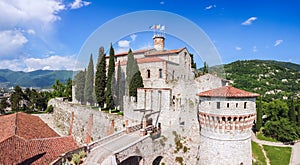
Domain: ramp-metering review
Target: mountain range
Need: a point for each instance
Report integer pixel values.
(38, 78)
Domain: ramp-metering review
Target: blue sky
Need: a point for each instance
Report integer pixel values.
(49, 34)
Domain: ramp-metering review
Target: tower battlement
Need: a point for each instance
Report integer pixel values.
(226, 116)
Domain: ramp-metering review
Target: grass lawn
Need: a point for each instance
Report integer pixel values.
(261, 136)
(278, 155)
(257, 154)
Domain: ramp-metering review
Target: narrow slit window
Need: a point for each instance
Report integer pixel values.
(227, 105)
(160, 73)
(245, 105)
(148, 73)
(218, 105)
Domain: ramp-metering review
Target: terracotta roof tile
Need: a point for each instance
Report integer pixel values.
(227, 91)
(33, 141)
(24, 125)
(164, 52)
(148, 52)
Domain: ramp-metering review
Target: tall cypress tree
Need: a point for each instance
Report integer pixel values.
(119, 87)
(80, 84)
(111, 69)
(100, 81)
(258, 123)
(297, 108)
(89, 82)
(292, 115)
(131, 69)
(136, 82)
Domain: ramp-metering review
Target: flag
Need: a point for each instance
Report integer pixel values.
(158, 26)
(163, 28)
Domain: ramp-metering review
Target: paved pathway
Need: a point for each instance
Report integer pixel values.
(97, 155)
(295, 156)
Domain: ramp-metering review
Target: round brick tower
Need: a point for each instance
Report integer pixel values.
(226, 116)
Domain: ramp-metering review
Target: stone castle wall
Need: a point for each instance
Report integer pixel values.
(220, 152)
(101, 125)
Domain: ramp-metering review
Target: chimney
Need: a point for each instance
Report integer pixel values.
(71, 123)
(159, 42)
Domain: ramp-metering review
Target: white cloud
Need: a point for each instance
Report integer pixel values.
(124, 43)
(11, 41)
(254, 49)
(249, 21)
(15, 64)
(25, 12)
(238, 48)
(54, 62)
(50, 63)
(162, 2)
(278, 42)
(210, 7)
(79, 3)
(31, 31)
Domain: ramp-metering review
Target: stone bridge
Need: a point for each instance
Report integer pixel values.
(134, 145)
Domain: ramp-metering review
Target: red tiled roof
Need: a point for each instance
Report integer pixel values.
(227, 91)
(16, 150)
(126, 53)
(25, 126)
(150, 52)
(25, 137)
(165, 52)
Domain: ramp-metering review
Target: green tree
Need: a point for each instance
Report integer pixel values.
(205, 68)
(68, 89)
(282, 130)
(15, 98)
(131, 69)
(292, 115)
(119, 87)
(194, 65)
(297, 108)
(136, 82)
(258, 123)
(111, 69)
(100, 80)
(79, 81)
(276, 109)
(89, 82)
(58, 89)
(3, 105)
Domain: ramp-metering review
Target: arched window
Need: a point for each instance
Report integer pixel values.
(148, 73)
(160, 73)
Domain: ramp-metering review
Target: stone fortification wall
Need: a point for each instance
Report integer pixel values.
(217, 152)
(102, 124)
(150, 103)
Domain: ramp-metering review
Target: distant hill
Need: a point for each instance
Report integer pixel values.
(38, 78)
(272, 78)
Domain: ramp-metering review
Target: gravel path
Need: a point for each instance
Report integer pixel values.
(295, 155)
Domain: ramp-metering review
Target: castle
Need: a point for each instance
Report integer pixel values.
(173, 97)
(225, 114)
